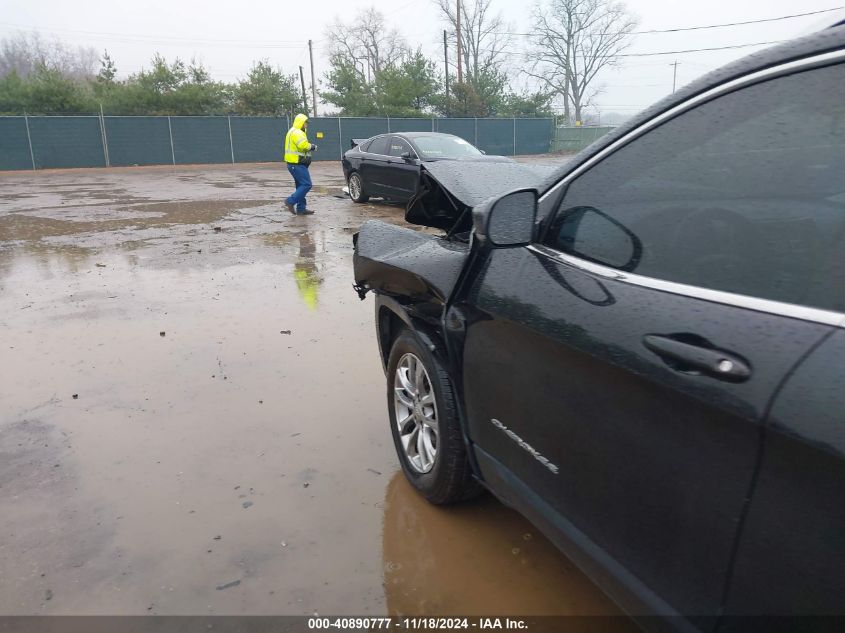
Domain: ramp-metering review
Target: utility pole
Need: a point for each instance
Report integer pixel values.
(674, 74)
(304, 98)
(458, 33)
(313, 83)
(446, 65)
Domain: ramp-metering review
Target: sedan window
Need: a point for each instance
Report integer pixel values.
(445, 146)
(379, 145)
(742, 194)
(399, 146)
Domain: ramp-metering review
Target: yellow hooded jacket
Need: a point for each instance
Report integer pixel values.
(296, 142)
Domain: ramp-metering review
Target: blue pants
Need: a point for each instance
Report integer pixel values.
(302, 179)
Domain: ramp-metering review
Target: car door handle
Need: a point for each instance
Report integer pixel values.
(698, 357)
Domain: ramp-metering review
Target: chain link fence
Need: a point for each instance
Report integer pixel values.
(46, 142)
(574, 139)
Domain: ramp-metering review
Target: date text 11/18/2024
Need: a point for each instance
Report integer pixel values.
(417, 624)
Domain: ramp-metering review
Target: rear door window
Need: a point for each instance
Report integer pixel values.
(379, 145)
(744, 194)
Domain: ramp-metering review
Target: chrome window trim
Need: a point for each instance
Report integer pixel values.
(791, 310)
(692, 102)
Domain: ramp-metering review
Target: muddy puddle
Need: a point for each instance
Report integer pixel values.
(193, 418)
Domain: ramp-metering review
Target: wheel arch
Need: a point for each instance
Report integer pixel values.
(392, 318)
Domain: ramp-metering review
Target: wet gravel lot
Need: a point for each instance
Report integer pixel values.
(193, 417)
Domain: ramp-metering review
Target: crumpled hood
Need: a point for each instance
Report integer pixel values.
(473, 182)
(458, 185)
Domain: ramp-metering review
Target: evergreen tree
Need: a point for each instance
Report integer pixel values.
(536, 104)
(409, 88)
(348, 88)
(107, 69)
(267, 91)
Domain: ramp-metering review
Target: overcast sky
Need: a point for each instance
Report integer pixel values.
(228, 36)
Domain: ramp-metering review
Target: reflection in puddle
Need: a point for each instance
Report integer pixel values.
(475, 558)
(305, 272)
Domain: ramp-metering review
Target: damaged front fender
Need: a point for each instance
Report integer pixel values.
(417, 267)
(401, 262)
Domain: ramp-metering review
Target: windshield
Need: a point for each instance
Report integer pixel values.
(445, 147)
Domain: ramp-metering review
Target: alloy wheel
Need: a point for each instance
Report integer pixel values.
(416, 413)
(355, 186)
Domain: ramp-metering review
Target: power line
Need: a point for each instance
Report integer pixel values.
(708, 26)
(401, 8)
(718, 26)
(699, 50)
(531, 55)
(663, 85)
(129, 37)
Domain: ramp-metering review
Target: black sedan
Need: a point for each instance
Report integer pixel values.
(644, 352)
(391, 165)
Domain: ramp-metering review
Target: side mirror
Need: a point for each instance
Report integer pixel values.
(508, 220)
(408, 157)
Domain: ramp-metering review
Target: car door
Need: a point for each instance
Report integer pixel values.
(404, 173)
(790, 557)
(374, 166)
(616, 374)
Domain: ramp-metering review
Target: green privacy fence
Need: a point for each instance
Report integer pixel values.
(45, 142)
(574, 139)
(138, 140)
(51, 136)
(14, 144)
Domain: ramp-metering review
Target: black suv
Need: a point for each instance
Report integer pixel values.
(643, 352)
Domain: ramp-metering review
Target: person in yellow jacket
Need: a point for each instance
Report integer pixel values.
(298, 156)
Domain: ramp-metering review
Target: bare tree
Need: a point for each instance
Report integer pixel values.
(484, 36)
(573, 41)
(25, 53)
(367, 42)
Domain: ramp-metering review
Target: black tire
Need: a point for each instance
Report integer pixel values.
(361, 194)
(450, 478)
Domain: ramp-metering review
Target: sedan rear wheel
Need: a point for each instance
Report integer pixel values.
(356, 188)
